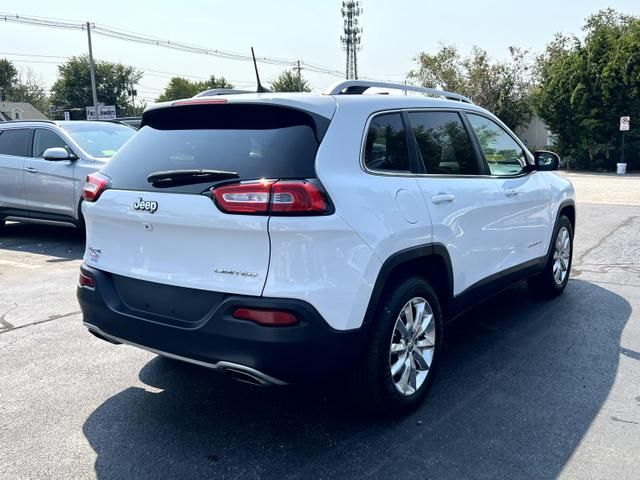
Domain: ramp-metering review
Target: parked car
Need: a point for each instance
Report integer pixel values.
(286, 238)
(44, 164)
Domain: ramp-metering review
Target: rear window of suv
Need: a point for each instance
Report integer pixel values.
(256, 141)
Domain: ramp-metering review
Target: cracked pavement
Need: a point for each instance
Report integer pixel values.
(526, 389)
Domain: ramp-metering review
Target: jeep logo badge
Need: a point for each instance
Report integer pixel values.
(143, 205)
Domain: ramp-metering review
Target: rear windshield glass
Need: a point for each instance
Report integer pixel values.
(261, 143)
(99, 139)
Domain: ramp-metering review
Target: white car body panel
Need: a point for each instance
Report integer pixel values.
(322, 261)
(183, 243)
(470, 226)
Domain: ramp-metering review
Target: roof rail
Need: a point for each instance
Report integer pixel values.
(220, 91)
(42, 120)
(357, 87)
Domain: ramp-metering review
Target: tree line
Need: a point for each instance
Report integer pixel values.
(115, 85)
(578, 86)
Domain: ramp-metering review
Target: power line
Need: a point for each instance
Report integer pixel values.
(124, 35)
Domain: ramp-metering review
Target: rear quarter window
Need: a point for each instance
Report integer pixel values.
(385, 147)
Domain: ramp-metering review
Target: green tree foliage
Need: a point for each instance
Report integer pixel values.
(72, 89)
(585, 85)
(8, 78)
(29, 89)
(289, 81)
(180, 87)
(504, 88)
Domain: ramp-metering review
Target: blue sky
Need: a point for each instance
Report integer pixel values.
(394, 32)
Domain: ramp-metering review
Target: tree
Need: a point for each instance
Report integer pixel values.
(29, 89)
(585, 85)
(8, 78)
(180, 87)
(290, 81)
(504, 88)
(72, 89)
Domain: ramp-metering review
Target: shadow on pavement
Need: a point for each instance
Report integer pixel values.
(62, 243)
(520, 383)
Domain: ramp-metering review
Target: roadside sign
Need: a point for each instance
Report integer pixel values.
(625, 123)
(67, 116)
(105, 112)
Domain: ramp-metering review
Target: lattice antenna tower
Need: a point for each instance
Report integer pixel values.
(351, 11)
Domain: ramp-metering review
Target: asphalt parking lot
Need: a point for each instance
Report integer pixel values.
(526, 389)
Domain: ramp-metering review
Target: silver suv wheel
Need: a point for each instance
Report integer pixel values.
(412, 346)
(561, 255)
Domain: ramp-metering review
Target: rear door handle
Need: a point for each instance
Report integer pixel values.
(511, 192)
(443, 198)
(31, 170)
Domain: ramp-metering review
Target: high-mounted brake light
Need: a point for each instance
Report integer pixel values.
(286, 197)
(200, 101)
(95, 184)
(272, 318)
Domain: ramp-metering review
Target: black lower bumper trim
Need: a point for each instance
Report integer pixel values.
(309, 351)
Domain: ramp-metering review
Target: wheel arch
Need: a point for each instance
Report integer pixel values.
(431, 262)
(568, 208)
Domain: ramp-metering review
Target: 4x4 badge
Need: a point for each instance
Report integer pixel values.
(147, 205)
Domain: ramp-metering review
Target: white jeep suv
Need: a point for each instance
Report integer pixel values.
(285, 238)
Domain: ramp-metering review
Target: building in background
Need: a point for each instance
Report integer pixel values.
(19, 111)
(535, 134)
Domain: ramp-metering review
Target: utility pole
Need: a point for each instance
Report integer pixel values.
(299, 78)
(351, 10)
(92, 69)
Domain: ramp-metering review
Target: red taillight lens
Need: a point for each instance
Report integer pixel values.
(273, 318)
(294, 197)
(297, 197)
(86, 281)
(94, 186)
(244, 198)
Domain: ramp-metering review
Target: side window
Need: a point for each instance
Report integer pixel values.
(503, 154)
(386, 145)
(443, 142)
(16, 141)
(44, 139)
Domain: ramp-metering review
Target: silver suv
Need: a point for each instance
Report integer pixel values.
(43, 166)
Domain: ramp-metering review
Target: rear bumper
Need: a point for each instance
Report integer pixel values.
(310, 351)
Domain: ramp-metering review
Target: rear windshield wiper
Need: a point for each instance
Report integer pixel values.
(169, 178)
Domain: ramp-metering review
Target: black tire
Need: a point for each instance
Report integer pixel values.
(372, 384)
(545, 284)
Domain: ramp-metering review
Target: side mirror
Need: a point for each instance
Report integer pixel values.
(58, 153)
(546, 161)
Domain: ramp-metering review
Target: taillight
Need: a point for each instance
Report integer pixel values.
(86, 281)
(272, 318)
(284, 197)
(95, 184)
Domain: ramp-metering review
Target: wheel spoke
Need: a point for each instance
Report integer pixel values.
(408, 315)
(398, 348)
(421, 363)
(412, 376)
(402, 329)
(398, 365)
(426, 342)
(403, 383)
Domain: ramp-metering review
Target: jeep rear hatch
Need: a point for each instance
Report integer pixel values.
(187, 201)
